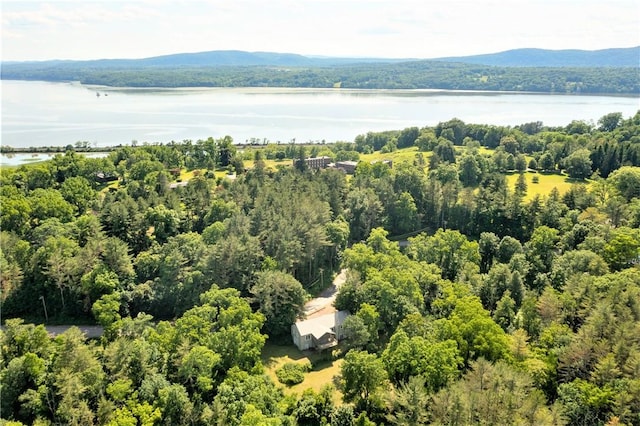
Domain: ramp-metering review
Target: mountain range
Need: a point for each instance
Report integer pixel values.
(623, 57)
(535, 70)
(619, 57)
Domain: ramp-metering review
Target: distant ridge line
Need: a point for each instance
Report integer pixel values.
(525, 57)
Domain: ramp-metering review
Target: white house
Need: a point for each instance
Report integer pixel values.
(319, 333)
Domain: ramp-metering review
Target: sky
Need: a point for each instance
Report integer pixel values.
(89, 29)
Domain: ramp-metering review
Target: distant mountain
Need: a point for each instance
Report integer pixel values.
(534, 70)
(623, 57)
(210, 59)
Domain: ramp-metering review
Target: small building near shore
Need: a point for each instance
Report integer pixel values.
(319, 333)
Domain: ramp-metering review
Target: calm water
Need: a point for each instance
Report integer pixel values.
(41, 114)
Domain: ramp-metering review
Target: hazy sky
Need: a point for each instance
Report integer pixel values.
(88, 29)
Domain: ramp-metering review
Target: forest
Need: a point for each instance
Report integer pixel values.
(509, 301)
(423, 74)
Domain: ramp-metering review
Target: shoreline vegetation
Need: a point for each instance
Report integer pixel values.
(435, 76)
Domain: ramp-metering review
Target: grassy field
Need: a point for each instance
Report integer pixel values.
(546, 183)
(270, 164)
(274, 356)
(399, 156)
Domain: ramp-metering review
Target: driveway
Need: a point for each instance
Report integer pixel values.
(90, 331)
(323, 304)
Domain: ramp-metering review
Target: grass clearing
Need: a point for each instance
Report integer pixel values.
(270, 164)
(398, 156)
(546, 183)
(187, 175)
(322, 372)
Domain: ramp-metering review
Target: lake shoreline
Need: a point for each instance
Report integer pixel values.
(276, 89)
(38, 115)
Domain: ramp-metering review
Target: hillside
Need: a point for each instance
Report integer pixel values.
(214, 58)
(267, 69)
(622, 57)
(625, 57)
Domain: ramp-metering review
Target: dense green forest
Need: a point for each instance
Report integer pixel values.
(501, 308)
(404, 75)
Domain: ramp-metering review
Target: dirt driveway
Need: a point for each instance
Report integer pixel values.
(90, 331)
(323, 304)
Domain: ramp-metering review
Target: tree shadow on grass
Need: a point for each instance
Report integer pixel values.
(275, 353)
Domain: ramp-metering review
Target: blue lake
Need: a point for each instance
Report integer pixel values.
(58, 114)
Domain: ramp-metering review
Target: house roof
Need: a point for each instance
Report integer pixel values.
(321, 325)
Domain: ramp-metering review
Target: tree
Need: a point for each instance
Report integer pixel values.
(540, 248)
(224, 323)
(546, 162)
(408, 137)
(364, 212)
(437, 362)
(521, 163)
(356, 333)
(78, 191)
(233, 260)
(177, 409)
(338, 235)
(78, 378)
(362, 375)
(106, 309)
(510, 144)
(585, 403)
(300, 160)
(445, 151)
(449, 250)
(627, 181)
(426, 141)
(314, 408)
(408, 404)
(280, 298)
(20, 377)
(197, 369)
(488, 248)
(49, 203)
(623, 248)
(521, 184)
(455, 130)
(225, 151)
(242, 392)
(404, 217)
(578, 164)
(477, 335)
(163, 221)
(469, 170)
(342, 415)
(15, 213)
(609, 122)
(505, 311)
(371, 319)
(492, 394)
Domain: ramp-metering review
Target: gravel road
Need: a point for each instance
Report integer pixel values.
(324, 302)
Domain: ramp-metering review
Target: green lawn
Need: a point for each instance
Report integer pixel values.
(270, 164)
(274, 356)
(399, 156)
(546, 182)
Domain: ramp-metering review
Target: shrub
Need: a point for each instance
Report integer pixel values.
(292, 373)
